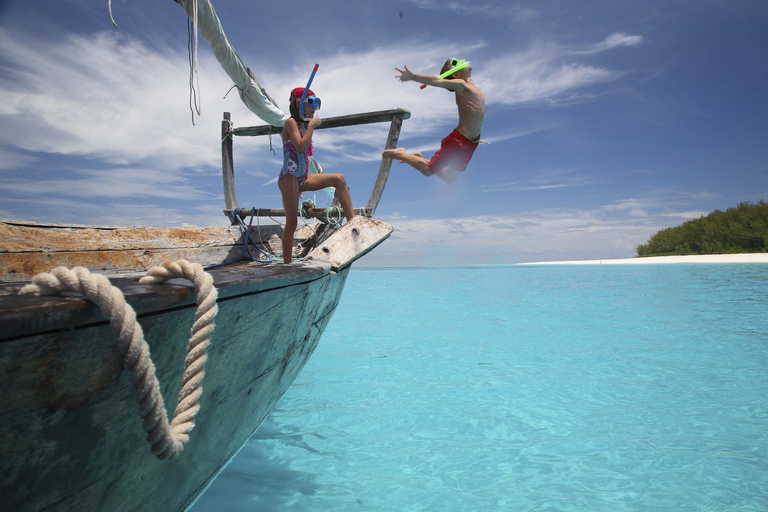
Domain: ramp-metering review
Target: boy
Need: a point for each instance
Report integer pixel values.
(457, 148)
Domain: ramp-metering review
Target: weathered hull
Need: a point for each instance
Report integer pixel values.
(71, 438)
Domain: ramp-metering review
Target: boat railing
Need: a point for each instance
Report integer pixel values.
(395, 117)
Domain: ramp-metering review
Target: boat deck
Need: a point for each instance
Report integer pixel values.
(24, 315)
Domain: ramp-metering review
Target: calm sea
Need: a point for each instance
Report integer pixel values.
(604, 387)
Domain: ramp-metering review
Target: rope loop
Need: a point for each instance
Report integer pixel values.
(167, 440)
(334, 215)
(305, 208)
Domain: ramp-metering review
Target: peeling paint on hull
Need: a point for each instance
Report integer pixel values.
(70, 434)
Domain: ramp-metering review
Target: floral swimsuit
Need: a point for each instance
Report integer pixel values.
(295, 163)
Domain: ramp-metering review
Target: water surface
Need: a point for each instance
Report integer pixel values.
(523, 388)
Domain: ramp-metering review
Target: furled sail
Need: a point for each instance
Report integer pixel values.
(251, 92)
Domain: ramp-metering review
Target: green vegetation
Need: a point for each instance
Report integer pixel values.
(737, 230)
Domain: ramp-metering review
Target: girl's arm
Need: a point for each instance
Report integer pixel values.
(301, 143)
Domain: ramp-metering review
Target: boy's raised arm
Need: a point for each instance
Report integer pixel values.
(407, 75)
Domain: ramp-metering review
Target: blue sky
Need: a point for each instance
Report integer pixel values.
(607, 121)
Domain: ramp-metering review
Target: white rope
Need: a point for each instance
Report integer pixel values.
(167, 440)
(195, 72)
(109, 6)
(251, 92)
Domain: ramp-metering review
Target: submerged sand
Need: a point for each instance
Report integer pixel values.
(761, 257)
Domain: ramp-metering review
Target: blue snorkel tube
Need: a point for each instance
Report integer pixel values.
(304, 94)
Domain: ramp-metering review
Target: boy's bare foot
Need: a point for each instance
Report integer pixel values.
(395, 154)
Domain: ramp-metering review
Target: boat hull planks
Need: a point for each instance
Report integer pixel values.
(71, 434)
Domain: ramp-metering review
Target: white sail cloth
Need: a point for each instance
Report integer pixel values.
(252, 94)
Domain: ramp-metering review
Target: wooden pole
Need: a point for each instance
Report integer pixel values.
(227, 163)
(386, 164)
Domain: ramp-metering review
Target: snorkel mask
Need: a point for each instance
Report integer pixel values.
(314, 102)
(456, 65)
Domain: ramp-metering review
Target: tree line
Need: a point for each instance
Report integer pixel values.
(742, 229)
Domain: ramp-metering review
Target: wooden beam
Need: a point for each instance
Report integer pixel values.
(380, 116)
(279, 212)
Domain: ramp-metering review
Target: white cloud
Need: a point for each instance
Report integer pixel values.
(103, 96)
(112, 98)
(615, 40)
(545, 72)
(128, 212)
(124, 182)
(503, 9)
(515, 135)
(610, 231)
(537, 75)
(618, 39)
(10, 159)
(542, 180)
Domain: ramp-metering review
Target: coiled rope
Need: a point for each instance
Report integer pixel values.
(167, 440)
(334, 215)
(245, 232)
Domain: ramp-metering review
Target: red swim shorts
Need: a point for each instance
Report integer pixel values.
(455, 152)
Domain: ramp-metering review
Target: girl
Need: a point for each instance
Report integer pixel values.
(294, 176)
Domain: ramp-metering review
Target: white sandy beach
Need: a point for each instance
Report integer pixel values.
(761, 257)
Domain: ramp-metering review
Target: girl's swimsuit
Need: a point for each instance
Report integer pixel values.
(295, 163)
(455, 152)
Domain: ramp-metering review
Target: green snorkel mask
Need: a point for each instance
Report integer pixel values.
(456, 65)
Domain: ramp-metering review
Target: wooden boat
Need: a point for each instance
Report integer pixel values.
(70, 434)
(72, 437)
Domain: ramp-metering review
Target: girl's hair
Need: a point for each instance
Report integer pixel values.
(294, 111)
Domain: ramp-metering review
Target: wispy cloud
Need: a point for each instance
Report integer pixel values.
(101, 96)
(10, 159)
(664, 203)
(133, 212)
(615, 40)
(113, 183)
(109, 97)
(610, 231)
(538, 76)
(542, 180)
(514, 135)
(547, 72)
(486, 9)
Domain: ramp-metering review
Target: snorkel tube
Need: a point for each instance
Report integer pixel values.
(304, 94)
(460, 64)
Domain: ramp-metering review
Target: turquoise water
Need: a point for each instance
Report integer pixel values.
(523, 388)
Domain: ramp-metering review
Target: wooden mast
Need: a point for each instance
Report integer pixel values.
(227, 164)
